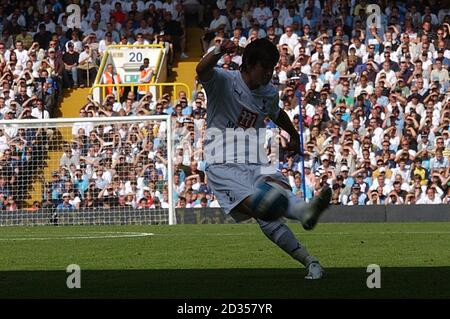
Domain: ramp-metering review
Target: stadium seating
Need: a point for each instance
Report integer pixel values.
(373, 102)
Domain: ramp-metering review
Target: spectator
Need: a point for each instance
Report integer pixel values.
(374, 103)
(39, 111)
(438, 162)
(430, 197)
(175, 33)
(87, 66)
(70, 73)
(65, 205)
(10, 204)
(108, 40)
(68, 158)
(111, 77)
(145, 76)
(43, 37)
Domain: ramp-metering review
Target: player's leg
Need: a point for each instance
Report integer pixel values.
(282, 236)
(308, 213)
(235, 197)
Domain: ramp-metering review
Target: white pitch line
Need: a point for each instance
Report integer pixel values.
(415, 232)
(81, 236)
(135, 234)
(317, 233)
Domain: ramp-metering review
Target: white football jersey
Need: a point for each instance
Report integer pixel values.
(232, 106)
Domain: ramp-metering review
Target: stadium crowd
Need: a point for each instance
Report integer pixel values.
(372, 100)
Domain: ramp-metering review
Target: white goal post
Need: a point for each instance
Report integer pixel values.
(89, 170)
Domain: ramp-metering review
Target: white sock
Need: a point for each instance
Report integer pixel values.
(283, 237)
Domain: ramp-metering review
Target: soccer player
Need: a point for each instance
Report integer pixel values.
(242, 100)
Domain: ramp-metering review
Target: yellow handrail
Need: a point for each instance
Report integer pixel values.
(102, 86)
(101, 67)
(160, 86)
(153, 45)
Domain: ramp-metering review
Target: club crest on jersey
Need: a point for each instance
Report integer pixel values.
(229, 195)
(247, 118)
(264, 108)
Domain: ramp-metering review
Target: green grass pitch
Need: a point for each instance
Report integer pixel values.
(223, 261)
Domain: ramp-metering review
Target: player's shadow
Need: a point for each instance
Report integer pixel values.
(341, 283)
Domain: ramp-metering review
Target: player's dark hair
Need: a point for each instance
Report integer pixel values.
(260, 51)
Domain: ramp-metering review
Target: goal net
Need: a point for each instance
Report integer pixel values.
(86, 171)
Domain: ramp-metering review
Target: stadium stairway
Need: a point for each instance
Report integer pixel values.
(72, 102)
(70, 105)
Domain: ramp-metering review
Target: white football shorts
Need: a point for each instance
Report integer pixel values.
(232, 183)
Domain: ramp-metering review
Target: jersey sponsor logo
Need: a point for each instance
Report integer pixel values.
(231, 124)
(247, 118)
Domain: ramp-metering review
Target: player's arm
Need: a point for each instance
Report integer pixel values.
(284, 122)
(205, 68)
